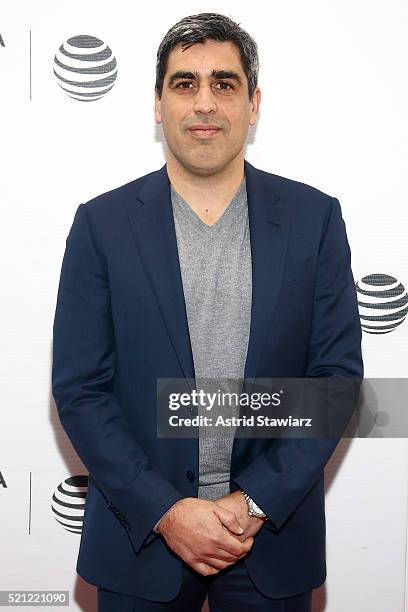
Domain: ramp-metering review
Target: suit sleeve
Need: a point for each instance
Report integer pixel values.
(281, 476)
(157, 524)
(82, 374)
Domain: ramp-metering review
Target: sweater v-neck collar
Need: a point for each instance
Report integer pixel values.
(223, 221)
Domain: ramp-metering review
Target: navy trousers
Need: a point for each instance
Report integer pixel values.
(231, 590)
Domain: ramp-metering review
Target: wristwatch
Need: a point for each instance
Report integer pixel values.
(253, 509)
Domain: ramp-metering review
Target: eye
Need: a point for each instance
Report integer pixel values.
(183, 83)
(225, 83)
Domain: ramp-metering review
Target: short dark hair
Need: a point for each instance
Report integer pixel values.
(208, 26)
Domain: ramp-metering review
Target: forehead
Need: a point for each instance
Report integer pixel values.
(205, 57)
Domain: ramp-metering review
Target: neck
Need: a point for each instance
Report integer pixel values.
(206, 192)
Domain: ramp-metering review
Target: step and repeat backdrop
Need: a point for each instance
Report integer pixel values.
(333, 114)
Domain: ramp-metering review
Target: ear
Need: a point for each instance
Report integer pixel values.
(157, 108)
(255, 103)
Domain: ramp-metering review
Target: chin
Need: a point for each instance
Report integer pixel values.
(204, 170)
(205, 167)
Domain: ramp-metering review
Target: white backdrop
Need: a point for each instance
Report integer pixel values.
(333, 114)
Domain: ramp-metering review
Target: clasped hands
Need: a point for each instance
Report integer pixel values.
(210, 535)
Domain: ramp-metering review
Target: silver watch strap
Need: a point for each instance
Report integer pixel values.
(253, 508)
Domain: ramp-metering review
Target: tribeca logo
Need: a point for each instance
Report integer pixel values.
(68, 503)
(382, 303)
(2, 41)
(85, 68)
(2, 481)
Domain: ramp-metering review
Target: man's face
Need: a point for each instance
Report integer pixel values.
(205, 86)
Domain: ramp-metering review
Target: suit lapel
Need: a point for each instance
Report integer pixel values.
(268, 226)
(151, 218)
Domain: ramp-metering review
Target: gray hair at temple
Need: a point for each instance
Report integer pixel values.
(208, 26)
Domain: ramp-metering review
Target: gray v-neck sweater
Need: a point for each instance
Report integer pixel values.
(216, 272)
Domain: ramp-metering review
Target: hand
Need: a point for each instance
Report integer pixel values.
(204, 534)
(235, 502)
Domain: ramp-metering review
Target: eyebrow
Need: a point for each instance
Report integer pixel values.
(216, 74)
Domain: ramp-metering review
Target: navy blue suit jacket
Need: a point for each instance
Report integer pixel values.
(120, 323)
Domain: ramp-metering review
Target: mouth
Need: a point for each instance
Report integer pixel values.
(204, 132)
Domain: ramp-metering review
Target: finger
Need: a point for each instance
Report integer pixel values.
(220, 553)
(239, 538)
(233, 546)
(228, 519)
(204, 569)
(218, 563)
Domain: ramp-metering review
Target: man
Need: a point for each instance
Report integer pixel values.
(212, 268)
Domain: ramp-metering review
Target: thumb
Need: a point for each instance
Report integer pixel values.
(228, 519)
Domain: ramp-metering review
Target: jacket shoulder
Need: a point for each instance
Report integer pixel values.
(118, 196)
(296, 191)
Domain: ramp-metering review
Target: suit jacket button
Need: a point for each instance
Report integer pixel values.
(190, 475)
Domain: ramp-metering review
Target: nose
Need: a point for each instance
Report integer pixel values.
(204, 100)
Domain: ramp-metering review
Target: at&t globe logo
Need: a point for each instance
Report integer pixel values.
(382, 303)
(85, 68)
(68, 503)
